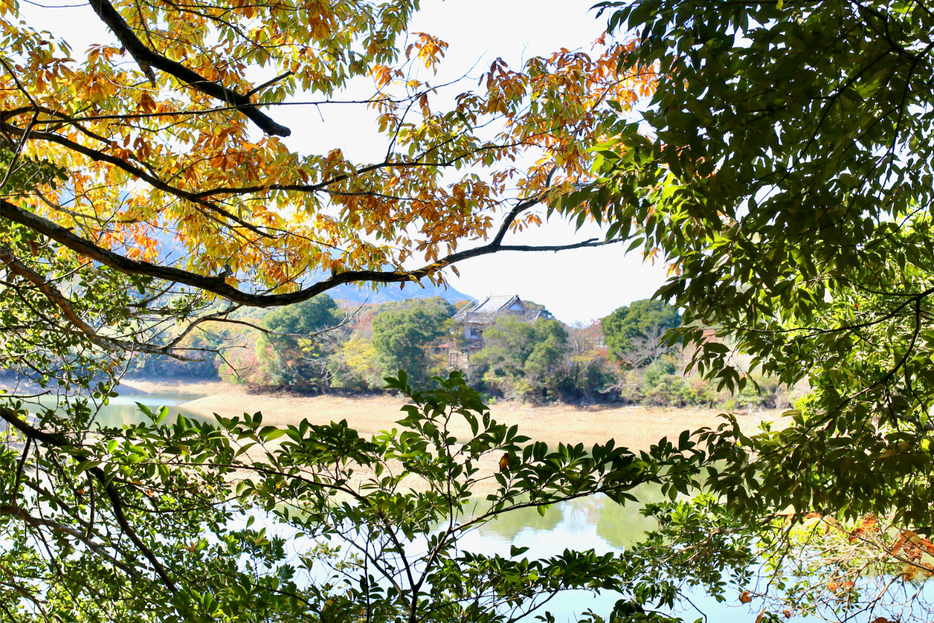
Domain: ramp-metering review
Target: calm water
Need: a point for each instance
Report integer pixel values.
(122, 410)
(593, 523)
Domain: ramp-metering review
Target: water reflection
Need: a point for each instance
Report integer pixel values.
(624, 526)
(122, 410)
(507, 526)
(595, 523)
(618, 527)
(589, 523)
(119, 410)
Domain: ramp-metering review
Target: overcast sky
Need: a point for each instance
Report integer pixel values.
(576, 286)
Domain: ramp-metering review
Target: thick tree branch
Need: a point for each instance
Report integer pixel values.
(120, 515)
(94, 546)
(54, 439)
(21, 466)
(9, 261)
(146, 58)
(219, 286)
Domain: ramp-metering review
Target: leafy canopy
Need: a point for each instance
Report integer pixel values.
(635, 334)
(375, 522)
(147, 193)
(789, 186)
(784, 168)
(171, 153)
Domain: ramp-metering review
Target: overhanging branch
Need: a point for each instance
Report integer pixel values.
(96, 547)
(133, 170)
(146, 59)
(62, 442)
(218, 285)
(9, 261)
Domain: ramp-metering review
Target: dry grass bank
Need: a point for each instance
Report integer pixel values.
(635, 427)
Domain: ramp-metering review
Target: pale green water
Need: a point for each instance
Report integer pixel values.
(121, 410)
(591, 523)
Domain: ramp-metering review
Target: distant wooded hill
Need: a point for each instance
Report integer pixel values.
(173, 250)
(353, 294)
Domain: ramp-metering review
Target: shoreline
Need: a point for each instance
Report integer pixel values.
(179, 387)
(633, 426)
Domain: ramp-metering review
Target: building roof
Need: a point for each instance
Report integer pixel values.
(490, 308)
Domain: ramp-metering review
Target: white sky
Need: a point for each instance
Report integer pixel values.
(576, 286)
(579, 285)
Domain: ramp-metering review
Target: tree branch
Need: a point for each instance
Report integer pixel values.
(146, 58)
(61, 441)
(8, 260)
(218, 285)
(94, 546)
(136, 172)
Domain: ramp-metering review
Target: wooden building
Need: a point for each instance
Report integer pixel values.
(475, 319)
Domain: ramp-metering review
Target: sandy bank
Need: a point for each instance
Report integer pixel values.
(179, 388)
(631, 426)
(635, 427)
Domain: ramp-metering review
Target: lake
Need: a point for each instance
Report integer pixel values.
(592, 523)
(122, 410)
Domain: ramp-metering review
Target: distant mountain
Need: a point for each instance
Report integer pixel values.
(392, 292)
(172, 251)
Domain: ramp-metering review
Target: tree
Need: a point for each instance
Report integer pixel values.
(787, 181)
(591, 373)
(356, 366)
(545, 364)
(147, 193)
(523, 360)
(635, 334)
(296, 344)
(404, 333)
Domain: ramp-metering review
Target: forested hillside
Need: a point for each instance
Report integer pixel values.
(324, 346)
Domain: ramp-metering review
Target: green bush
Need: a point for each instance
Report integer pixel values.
(660, 384)
(405, 333)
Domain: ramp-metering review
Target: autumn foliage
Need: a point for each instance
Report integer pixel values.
(167, 146)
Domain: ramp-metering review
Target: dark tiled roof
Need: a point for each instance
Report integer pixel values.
(488, 309)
